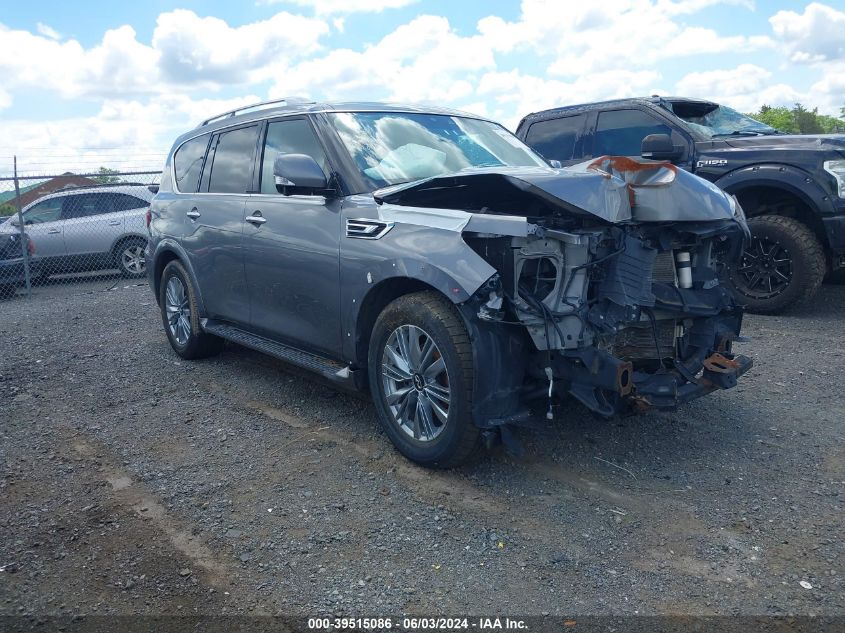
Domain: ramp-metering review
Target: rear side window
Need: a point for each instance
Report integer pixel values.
(294, 136)
(231, 169)
(621, 132)
(187, 163)
(125, 202)
(558, 139)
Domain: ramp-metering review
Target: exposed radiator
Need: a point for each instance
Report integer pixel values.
(637, 343)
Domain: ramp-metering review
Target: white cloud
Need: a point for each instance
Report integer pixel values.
(816, 35)
(196, 49)
(423, 60)
(588, 37)
(327, 7)
(186, 52)
(48, 31)
(5, 99)
(743, 88)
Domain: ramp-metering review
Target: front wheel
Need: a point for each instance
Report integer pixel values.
(180, 316)
(783, 265)
(421, 379)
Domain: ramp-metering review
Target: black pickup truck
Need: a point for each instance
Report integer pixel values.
(791, 187)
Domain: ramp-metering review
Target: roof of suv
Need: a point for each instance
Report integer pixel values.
(598, 105)
(290, 106)
(133, 189)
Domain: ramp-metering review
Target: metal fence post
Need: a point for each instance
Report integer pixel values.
(24, 245)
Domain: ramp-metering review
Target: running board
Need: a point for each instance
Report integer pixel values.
(327, 368)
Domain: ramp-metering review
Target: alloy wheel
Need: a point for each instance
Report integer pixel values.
(178, 310)
(416, 383)
(133, 259)
(765, 269)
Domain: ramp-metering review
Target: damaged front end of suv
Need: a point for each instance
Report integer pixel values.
(602, 283)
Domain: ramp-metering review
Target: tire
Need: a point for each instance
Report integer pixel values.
(783, 265)
(426, 428)
(180, 315)
(130, 256)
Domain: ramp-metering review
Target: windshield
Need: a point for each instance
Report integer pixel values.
(712, 120)
(394, 147)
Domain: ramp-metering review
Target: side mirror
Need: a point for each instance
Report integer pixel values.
(555, 163)
(660, 147)
(298, 171)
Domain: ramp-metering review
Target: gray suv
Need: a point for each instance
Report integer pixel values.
(433, 258)
(88, 228)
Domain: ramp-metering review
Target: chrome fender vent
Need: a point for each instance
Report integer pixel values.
(365, 229)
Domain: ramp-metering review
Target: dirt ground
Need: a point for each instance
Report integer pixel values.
(133, 482)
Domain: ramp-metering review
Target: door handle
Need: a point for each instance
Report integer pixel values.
(193, 213)
(54, 231)
(115, 222)
(256, 218)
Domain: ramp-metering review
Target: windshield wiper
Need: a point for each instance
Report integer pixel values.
(740, 133)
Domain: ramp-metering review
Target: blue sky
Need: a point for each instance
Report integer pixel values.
(85, 75)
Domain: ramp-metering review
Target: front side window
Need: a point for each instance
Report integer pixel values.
(45, 211)
(557, 139)
(621, 132)
(294, 136)
(394, 147)
(187, 163)
(231, 168)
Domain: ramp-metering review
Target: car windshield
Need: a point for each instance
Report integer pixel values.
(713, 120)
(394, 147)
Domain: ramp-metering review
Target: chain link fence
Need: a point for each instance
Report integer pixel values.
(81, 230)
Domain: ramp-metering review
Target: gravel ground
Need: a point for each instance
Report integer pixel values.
(134, 482)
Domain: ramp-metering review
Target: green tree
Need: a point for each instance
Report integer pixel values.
(779, 118)
(807, 121)
(106, 177)
(799, 120)
(7, 209)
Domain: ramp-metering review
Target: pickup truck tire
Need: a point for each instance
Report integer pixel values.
(421, 380)
(783, 265)
(180, 315)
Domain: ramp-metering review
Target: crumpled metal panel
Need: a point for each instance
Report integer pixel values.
(613, 188)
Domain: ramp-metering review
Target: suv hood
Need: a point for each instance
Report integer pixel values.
(612, 188)
(815, 142)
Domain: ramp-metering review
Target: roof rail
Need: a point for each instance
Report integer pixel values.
(101, 185)
(236, 111)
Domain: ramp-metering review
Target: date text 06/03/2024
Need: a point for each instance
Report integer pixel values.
(417, 624)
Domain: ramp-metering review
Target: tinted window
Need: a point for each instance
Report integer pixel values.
(231, 171)
(45, 211)
(125, 202)
(86, 204)
(621, 132)
(288, 137)
(187, 163)
(558, 139)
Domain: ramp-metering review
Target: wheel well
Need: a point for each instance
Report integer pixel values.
(767, 200)
(374, 302)
(123, 240)
(163, 260)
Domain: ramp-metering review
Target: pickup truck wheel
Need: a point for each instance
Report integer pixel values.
(782, 265)
(131, 258)
(421, 377)
(180, 315)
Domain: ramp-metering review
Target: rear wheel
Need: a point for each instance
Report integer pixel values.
(180, 316)
(131, 258)
(421, 377)
(783, 265)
